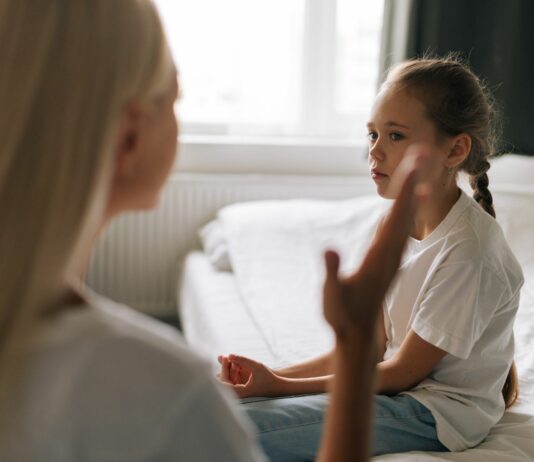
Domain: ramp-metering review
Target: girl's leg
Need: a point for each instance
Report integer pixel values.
(403, 424)
(289, 428)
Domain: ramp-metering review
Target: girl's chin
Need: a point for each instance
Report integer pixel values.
(383, 192)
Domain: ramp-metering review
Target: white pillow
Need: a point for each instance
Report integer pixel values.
(512, 169)
(215, 246)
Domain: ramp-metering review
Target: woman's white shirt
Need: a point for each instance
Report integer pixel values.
(105, 383)
(458, 289)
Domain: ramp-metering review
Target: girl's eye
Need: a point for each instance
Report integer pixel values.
(372, 136)
(396, 136)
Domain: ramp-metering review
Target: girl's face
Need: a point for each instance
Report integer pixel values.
(397, 121)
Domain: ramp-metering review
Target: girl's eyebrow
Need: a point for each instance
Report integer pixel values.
(371, 125)
(396, 124)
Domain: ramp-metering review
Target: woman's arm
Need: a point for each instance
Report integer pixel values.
(347, 434)
(352, 306)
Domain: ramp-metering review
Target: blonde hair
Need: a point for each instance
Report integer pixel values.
(68, 70)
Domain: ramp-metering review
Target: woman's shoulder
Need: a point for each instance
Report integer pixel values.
(115, 362)
(118, 382)
(118, 321)
(105, 337)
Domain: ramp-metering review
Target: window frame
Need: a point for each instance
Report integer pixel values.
(213, 148)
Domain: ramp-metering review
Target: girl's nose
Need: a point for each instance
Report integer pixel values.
(376, 152)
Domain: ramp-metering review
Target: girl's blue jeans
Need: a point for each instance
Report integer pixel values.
(290, 427)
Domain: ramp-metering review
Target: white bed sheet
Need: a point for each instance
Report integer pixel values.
(511, 440)
(213, 316)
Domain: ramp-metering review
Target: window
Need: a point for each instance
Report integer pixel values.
(276, 68)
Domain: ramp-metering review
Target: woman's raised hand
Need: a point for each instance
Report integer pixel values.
(247, 377)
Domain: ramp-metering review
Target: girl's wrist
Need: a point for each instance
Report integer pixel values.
(282, 373)
(283, 386)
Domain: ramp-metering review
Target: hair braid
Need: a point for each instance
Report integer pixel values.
(481, 193)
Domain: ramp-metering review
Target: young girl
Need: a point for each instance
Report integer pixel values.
(445, 369)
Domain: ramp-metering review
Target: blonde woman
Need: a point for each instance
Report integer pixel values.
(87, 131)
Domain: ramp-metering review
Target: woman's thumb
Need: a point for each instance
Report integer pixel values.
(331, 259)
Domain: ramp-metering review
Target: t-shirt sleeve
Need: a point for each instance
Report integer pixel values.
(458, 305)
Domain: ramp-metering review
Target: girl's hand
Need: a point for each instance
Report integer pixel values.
(353, 303)
(247, 377)
(231, 373)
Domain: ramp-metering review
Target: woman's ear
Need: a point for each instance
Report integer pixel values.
(460, 149)
(128, 141)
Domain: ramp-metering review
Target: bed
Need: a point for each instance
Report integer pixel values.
(255, 289)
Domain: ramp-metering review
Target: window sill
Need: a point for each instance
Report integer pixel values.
(304, 156)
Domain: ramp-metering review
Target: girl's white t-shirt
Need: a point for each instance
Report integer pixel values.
(104, 383)
(458, 289)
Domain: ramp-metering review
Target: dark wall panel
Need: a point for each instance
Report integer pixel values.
(497, 39)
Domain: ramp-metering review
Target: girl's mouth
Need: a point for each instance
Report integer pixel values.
(377, 175)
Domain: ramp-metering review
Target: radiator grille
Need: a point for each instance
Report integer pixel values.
(138, 258)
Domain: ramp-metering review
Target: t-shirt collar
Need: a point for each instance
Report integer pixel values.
(454, 213)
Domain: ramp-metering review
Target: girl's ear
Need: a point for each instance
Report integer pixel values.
(460, 149)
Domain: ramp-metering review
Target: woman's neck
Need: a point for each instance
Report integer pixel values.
(433, 211)
(69, 297)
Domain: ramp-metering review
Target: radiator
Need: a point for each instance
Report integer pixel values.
(138, 258)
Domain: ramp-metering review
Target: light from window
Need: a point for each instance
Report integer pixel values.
(293, 68)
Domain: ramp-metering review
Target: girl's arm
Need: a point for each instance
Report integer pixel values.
(323, 365)
(413, 362)
(381, 337)
(410, 365)
(250, 378)
(305, 385)
(247, 377)
(317, 367)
